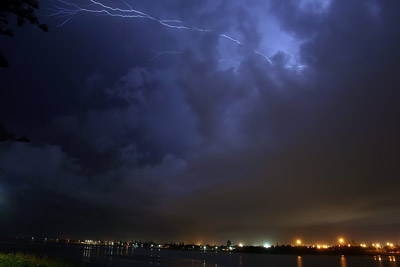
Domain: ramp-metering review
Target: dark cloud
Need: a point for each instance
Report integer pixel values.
(213, 142)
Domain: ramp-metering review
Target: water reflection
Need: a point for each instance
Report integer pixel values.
(378, 258)
(86, 254)
(299, 261)
(122, 255)
(90, 252)
(343, 262)
(392, 261)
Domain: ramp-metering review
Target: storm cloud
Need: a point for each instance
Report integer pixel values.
(211, 142)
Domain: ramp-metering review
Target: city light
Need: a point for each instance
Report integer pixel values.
(266, 245)
(341, 240)
(241, 245)
(298, 242)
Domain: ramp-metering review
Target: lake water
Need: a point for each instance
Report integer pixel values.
(123, 256)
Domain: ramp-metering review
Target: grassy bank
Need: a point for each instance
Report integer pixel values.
(27, 260)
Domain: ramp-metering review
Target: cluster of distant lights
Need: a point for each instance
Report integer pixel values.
(318, 246)
(298, 242)
(342, 242)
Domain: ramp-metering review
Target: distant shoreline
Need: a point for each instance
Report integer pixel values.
(16, 245)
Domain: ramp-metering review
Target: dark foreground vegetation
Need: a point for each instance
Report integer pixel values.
(27, 260)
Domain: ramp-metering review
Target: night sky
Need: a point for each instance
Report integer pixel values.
(142, 131)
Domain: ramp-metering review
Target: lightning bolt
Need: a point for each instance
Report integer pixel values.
(298, 67)
(70, 10)
(230, 38)
(264, 56)
(67, 10)
(159, 54)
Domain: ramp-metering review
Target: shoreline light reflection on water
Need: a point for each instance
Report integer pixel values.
(130, 256)
(299, 261)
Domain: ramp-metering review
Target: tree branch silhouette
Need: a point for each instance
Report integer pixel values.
(24, 10)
